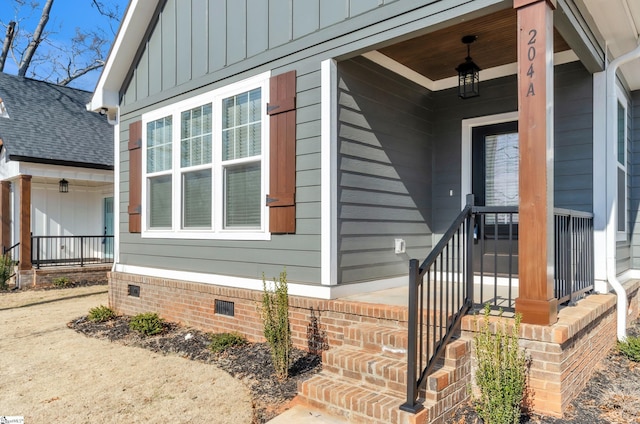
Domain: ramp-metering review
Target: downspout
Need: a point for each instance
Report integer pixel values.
(612, 189)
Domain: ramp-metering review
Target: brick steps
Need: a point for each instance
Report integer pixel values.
(364, 380)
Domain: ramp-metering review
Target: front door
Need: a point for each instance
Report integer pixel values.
(495, 183)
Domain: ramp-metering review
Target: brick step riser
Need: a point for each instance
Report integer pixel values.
(356, 403)
(376, 370)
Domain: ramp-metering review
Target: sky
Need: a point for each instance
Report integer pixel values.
(65, 17)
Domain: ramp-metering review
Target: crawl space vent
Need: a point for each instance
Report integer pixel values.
(224, 308)
(133, 291)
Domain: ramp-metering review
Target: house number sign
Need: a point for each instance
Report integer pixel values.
(531, 55)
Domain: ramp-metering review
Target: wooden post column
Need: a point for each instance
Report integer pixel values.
(536, 301)
(25, 222)
(5, 214)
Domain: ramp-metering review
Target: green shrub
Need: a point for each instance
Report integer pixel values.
(147, 324)
(501, 375)
(6, 270)
(222, 341)
(61, 281)
(275, 318)
(630, 348)
(101, 314)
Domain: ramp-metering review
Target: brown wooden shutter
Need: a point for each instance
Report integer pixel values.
(282, 162)
(135, 176)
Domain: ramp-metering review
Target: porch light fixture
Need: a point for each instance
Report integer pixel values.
(63, 186)
(468, 73)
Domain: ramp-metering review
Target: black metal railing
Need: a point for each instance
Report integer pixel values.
(13, 252)
(495, 259)
(440, 294)
(574, 261)
(481, 246)
(71, 250)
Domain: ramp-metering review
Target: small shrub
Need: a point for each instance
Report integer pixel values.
(147, 324)
(630, 348)
(501, 375)
(101, 314)
(6, 269)
(275, 317)
(61, 281)
(222, 341)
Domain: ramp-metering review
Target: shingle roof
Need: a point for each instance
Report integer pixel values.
(49, 123)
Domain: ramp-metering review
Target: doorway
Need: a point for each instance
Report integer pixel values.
(495, 175)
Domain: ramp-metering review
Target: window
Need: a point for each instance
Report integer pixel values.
(205, 176)
(621, 154)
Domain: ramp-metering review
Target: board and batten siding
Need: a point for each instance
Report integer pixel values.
(195, 46)
(573, 170)
(299, 252)
(384, 171)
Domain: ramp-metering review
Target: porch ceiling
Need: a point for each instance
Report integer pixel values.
(435, 55)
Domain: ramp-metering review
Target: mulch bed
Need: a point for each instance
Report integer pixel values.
(251, 363)
(612, 395)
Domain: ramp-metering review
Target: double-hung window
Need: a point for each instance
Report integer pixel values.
(205, 174)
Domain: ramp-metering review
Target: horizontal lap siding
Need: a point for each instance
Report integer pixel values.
(496, 96)
(573, 169)
(573, 154)
(299, 253)
(634, 181)
(384, 142)
(196, 46)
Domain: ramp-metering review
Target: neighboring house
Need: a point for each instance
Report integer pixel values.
(56, 173)
(329, 138)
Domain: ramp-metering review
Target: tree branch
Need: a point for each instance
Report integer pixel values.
(35, 41)
(80, 72)
(8, 40)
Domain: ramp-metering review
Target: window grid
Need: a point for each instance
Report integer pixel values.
(218, 182)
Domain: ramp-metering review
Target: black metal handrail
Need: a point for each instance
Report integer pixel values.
(441, 289)
(440, 294)
(13, 252)
(71, 250)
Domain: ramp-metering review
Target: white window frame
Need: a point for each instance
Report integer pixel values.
(217, 231)
(621, 99)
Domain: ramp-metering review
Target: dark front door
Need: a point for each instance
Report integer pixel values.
(495, 183)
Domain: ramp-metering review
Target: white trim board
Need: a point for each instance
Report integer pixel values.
(465, 150)
(296, 289)
(436, 85)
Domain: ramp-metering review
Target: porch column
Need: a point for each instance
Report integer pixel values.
(5, 214)
(536, 301)
(25, 222)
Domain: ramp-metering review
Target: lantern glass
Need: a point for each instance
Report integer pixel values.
(63, 186)
(468, 80)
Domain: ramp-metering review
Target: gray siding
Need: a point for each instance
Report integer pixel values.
(299, 253)
(496, 96)
(384, 162)
(573, 153)
(634, 181)
(195, 46)
(573, 170)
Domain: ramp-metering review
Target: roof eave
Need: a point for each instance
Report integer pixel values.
(123, 51)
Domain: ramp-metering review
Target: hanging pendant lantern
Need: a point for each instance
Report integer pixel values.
(468, 73)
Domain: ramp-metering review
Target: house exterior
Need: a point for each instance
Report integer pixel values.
(329, 138)
(51, 144)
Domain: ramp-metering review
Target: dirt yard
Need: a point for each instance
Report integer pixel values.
(51, 373)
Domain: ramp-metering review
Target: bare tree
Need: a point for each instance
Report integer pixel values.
(58, 63)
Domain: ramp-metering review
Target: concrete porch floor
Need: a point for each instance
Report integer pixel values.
(483, 293)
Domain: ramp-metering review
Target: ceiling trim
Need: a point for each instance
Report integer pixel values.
(385, 61)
